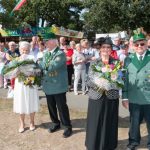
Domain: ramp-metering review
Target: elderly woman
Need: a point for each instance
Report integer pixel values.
(11, 54)
(102, 117)
(26, 100)
(78, 61)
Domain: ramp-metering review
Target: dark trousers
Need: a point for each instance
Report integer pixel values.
(58, 101)
(87, 68)
(137, 114)
(70, 71)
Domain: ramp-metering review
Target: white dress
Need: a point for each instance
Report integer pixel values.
(26, 99)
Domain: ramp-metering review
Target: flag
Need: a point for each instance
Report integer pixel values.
(18, 6)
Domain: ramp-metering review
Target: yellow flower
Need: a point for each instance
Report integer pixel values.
(17, 58)
(31, 78)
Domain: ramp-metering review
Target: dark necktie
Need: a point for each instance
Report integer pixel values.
(49, 54)
(140, 58)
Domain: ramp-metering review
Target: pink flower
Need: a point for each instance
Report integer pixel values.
(112, 66)
(104, 69)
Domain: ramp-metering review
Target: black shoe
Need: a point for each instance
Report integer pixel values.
(54, 128)
(67, 132)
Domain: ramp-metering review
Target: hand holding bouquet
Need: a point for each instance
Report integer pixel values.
(26, 71)
(108, 76)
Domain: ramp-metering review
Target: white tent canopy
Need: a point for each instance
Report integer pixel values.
(121, 35)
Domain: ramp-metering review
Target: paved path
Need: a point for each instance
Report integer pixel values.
(78, 102)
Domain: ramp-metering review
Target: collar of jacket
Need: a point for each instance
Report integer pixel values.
(137, 63)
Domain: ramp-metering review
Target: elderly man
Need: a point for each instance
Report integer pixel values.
(117, 43)
(136, 93)
(55, 84)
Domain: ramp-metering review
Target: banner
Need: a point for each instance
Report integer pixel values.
(61, 31)
(27, 31)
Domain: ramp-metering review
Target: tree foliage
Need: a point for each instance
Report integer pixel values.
(64, 13)
(102, 15)
(112, 15)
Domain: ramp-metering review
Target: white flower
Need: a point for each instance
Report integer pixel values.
(106, 69)
(114, 76)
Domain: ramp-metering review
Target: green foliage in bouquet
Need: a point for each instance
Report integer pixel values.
(14, 64)
(111, 72)
(29, 80)
(29, 77)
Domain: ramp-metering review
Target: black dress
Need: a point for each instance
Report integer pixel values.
(102, 120)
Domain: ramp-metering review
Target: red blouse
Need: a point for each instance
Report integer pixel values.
(69, 53)
(114, 54)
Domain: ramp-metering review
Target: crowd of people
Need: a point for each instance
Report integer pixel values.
(59, 60)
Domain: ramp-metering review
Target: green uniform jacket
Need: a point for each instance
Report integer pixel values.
(137, 79)
(55, 77)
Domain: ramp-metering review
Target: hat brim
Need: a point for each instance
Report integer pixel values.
(141, 39)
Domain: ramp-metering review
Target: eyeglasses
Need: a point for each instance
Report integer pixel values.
(137, 45)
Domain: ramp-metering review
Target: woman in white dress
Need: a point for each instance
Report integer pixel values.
(26, 99)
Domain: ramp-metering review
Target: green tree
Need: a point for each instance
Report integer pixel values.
(64, 13)
(6, 7)
(112, 15)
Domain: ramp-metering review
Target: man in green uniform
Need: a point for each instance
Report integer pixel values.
(136, 93)
(55, 84)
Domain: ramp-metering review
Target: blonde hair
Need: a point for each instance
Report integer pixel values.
(78, 45)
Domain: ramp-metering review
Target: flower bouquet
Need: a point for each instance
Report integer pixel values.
(26, 71)
(108, 76)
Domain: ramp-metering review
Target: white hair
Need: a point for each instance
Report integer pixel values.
(24, 44)
(72, 42)
(55, 41)
(11, 43)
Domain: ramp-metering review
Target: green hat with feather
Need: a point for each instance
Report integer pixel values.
(138, 35)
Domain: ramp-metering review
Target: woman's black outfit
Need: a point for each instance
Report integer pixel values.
(102, 117)
(70, 71)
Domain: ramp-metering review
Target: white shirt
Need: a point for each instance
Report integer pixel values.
(138, 56)
(53, 50)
